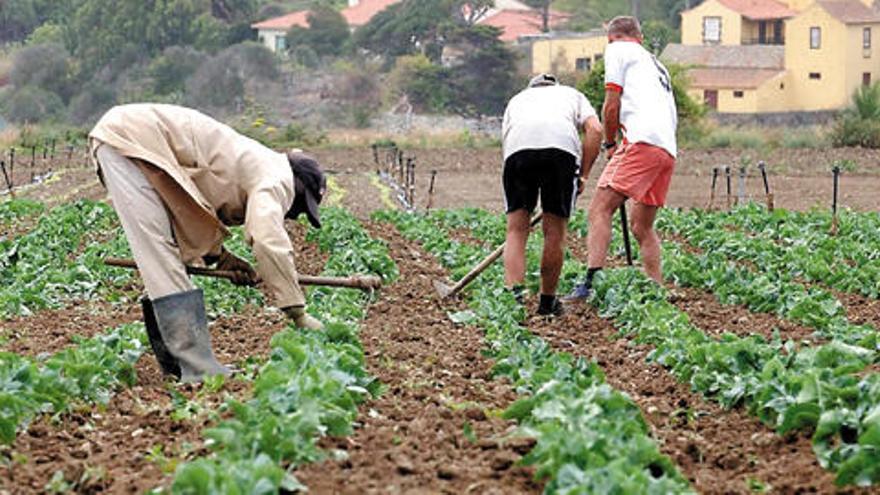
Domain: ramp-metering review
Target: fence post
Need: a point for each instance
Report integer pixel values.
(727, 175)
(836, 172)
(431, 190)
(712, 191)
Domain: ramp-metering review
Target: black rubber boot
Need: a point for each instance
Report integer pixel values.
(166, 360)
(183, 326)
(550, 306)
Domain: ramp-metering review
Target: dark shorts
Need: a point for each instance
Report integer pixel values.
(550, 173)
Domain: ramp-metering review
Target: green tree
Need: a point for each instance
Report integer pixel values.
(31, 104)
(46, 67)
(170, 70)
(327, 34)
(408, 27)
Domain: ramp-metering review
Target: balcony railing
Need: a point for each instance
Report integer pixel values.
(770, 40)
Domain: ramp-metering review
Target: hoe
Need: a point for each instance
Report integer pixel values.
(363, 282)
(446, 291)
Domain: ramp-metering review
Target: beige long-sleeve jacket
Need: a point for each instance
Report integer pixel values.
(209, 177)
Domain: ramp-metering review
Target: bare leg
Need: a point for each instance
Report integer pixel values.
(602, 208)
(642, 224)
(515, 247)
(551, 261)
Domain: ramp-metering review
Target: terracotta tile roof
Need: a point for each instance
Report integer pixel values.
(285, 22)
(721, 78)
(759, 9)
(727, 56)
(850, 11)
(365, 10)
(516, 22)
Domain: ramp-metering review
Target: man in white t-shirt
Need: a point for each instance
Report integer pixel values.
(544, 156)
(639, 103)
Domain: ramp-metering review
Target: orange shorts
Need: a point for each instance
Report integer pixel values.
(639, 171)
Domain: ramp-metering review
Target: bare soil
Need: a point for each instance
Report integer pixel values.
(132, 444)
(412, 438)
(719, 451)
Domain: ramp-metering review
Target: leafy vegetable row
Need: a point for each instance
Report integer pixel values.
(788, 388)
(796, 250)
(310, 386)
(590, 437)
(14, 210)
(62, 259)
(855, 230)
(767, 292)
(40, 269)
(85, 373)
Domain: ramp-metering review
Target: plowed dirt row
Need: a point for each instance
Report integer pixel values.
(413, 438)
(49, 331)
(133, 444)
(720, 451)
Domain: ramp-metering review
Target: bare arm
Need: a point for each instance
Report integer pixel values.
(611, 116)
(591, 145)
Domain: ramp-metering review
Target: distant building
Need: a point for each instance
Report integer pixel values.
(273, 32)
(515, 23)
(512, 17)
(762, 56)
(561, 52)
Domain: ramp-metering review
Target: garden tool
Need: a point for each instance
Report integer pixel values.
(363, 282)
(446, 291)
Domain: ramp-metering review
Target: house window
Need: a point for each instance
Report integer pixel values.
(582, 64)
(598, 57)
(815, 76)
(738, 94)
(866, 79)
(280, 43)
(711, 30)
(815, 38)
(866, 38)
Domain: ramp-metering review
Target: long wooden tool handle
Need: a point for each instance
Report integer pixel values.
(486, 262)
(366, 282)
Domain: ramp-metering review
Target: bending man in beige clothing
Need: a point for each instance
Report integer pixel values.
(177, 179)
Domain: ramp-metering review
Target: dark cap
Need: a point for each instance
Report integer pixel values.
(310, 186)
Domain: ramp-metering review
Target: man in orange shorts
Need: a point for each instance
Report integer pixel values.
(640, 104)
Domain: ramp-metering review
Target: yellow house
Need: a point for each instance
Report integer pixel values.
(763, 56)
(567, 52)
(734, 78)
(735, 22)
(830, 53)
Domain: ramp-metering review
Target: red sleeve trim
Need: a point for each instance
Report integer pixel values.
(614, 87)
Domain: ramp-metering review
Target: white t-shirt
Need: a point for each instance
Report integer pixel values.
(545, 117)
(647, 106)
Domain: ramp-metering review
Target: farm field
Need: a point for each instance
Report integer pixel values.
(754, 369)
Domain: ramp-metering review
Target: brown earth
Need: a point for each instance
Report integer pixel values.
(719, 451)
(132, 444)
(413, 437)
(799, 179)
(49, 331)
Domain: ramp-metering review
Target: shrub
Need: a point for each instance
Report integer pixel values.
(859, 125)
(170, 70)
(44, 66)
(32, 104)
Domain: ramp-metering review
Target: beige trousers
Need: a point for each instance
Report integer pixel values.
(147, 225)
